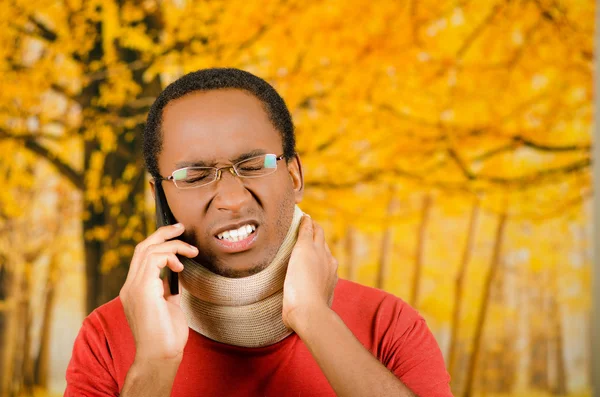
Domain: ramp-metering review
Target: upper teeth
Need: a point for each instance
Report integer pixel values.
(237, 234)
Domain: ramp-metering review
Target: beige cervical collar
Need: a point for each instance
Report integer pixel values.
(239, 311)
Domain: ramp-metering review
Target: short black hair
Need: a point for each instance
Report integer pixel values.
(216, 79)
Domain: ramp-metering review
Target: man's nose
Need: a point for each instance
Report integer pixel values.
(232, 194)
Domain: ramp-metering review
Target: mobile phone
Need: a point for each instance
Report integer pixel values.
(165, 217)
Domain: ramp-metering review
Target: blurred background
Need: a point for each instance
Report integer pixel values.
(446, 147)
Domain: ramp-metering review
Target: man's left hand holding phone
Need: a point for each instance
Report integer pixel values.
(151, 306)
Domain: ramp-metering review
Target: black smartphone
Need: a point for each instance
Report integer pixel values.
(165, 217)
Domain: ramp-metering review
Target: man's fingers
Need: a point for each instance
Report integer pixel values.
(318, 234)
(158, 260)
(174, 246)
(332, 259)
(305, 231)
(329, 254)
(161, 235)
(151, 268)
(176, 299)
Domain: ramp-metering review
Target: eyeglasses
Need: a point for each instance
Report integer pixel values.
(254, 167)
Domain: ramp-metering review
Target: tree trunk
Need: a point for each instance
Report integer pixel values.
(12, 275)
(487, 290)
(105, 284)
(27, 359)
(420, 250)
(523, 331)
(560, 388)
(43, 357)
(497, 369)
(11, 371)
(22, 377)
(5, 282)
(386, 242)
(538, 370)
(459, 289)
(93, 255)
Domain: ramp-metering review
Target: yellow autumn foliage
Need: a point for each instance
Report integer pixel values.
(410, 118)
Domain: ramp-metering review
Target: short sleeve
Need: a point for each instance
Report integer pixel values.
(90, 371)
(417, 360)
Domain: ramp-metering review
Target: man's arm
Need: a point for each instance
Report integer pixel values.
(91, 371)
(149, 378)
(158, 325)
(350, 369)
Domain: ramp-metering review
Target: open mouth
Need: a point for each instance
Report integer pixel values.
(237, 240)
(238, 234)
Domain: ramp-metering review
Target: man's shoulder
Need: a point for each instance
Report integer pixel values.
(111, 309)
(351, 292)
(353, 300)
(385, 324)
(109, 318)
(103, 351)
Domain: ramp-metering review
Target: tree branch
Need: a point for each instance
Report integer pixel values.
(72, 175)
(493, 152)
(461, 164)
(537, 176)
(518, 141)
(62, 90)
(549, 148)
(373, 177)
(44, 31)
(32, 136)
(477, 31)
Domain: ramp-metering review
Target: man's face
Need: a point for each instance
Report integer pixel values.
(217, 128)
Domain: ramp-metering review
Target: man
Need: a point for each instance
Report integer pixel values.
(260, 309)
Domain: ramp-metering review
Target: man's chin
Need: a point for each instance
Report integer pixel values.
(232, 271)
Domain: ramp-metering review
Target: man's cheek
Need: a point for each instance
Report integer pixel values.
(191, 237)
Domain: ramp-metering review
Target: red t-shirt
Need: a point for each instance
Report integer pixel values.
(388, 327)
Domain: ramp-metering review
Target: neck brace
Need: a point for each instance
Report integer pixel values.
(239, 311)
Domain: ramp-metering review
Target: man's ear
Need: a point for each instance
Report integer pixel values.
(295, 170)
(152, 186)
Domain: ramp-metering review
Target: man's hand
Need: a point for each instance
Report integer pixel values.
(157, 322)
(311, 276)
(350, 369)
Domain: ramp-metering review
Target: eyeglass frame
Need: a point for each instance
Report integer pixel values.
(218, 174)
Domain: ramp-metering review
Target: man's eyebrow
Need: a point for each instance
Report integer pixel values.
(247, 155)
(213, 163)
(195, 163)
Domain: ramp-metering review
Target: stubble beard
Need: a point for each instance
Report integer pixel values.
(220, 267)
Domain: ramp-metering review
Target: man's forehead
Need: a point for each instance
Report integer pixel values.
(227, 100)
(215, 114)
(231, 126)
